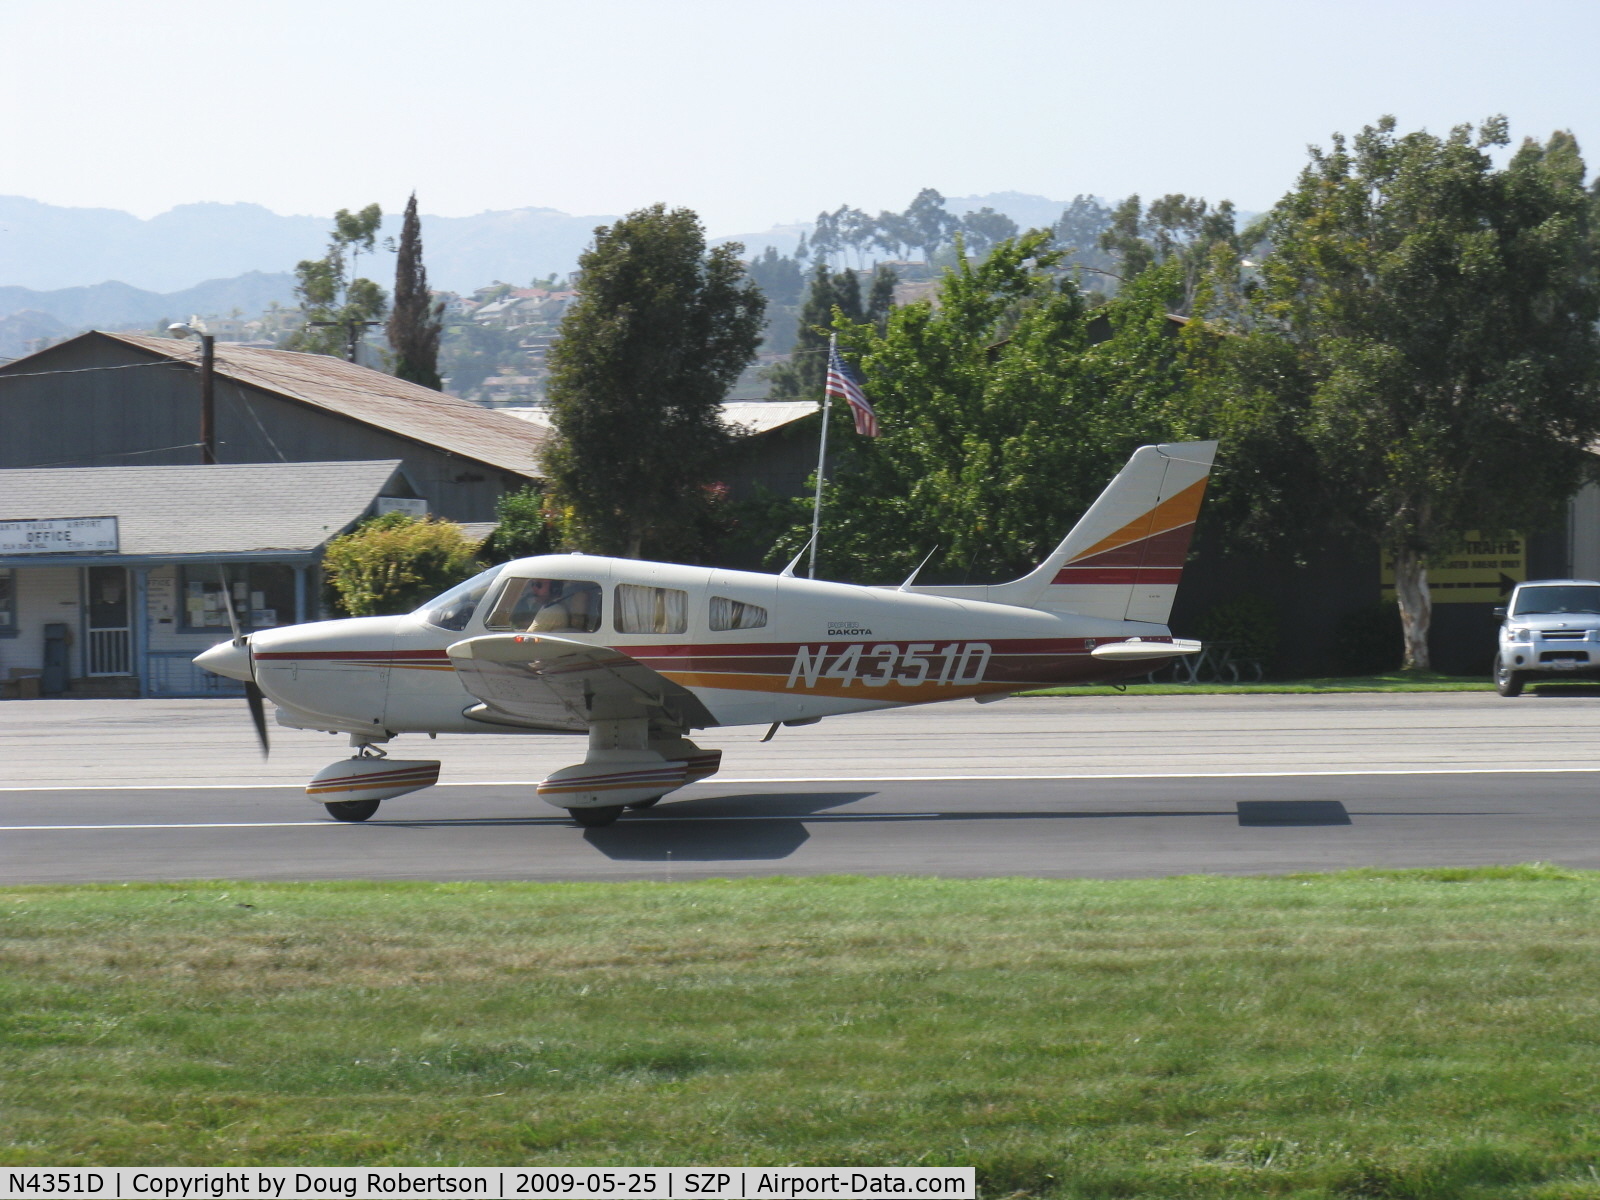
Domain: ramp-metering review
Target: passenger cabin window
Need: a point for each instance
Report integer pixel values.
(642, 609)
(455, 608)
(735, 614)
(547, 606)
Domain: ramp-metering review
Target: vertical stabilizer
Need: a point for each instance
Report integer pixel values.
(1123, 559)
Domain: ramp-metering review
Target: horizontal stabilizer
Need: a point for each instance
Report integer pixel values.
(1137, 649)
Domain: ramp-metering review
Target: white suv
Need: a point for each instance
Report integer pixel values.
(1551, 630)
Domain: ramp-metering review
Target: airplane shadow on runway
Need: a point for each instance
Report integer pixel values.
(772, 825)
(716, 828)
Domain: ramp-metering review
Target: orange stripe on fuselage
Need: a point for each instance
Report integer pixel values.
(1180, 509)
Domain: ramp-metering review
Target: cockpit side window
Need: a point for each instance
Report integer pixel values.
(542, 605)
(455, 608)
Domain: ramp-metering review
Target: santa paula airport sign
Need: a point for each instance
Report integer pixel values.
(59, 535)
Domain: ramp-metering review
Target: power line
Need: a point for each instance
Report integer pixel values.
(86, 370)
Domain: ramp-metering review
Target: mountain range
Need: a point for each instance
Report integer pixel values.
(64, 269)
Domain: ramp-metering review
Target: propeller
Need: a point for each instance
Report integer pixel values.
(253, 695)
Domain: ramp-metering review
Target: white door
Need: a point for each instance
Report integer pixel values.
(108, 624)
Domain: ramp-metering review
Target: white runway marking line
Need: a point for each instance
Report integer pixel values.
(460, 822)
(790, 779)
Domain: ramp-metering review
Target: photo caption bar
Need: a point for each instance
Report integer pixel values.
(499, 1183)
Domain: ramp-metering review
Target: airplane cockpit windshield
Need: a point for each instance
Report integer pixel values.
(455, 608)
(547, 606)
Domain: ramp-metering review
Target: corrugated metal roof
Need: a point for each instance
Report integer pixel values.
(228, 508)
(748, 417)
(371, 397)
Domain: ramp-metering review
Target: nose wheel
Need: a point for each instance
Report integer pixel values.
(351, 810)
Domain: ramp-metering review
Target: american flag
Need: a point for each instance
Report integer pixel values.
(842, 383)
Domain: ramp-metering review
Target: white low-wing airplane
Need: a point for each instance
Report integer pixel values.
(640, 654)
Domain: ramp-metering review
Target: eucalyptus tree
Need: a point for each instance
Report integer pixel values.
(339, 304)
(1425, 333)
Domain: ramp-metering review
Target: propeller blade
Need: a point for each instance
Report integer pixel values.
(227, 605)
(258, 714)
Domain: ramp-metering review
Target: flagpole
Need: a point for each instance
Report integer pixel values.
(822, 458)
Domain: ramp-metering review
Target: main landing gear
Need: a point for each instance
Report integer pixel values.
(352, 788)
(627, 766)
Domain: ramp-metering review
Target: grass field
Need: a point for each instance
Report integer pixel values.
(1417, 1034)
(1395, 681)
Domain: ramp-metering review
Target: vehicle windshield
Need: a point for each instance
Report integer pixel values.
(1557, 598)
(455, 608)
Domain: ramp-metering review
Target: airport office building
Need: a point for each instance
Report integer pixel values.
(118, 576)
(119, 553)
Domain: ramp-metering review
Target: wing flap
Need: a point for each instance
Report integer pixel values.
(543, 682)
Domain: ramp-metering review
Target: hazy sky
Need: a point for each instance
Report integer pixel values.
(751, 112)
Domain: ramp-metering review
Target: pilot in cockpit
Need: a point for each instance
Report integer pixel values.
(541, 608)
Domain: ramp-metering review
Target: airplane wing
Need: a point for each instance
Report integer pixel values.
(542, 682)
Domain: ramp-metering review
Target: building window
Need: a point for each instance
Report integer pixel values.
(642, 609)
(263, 596)
(736, 614)
(8, 602)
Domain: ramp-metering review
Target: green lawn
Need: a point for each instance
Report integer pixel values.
(1396, 681)
(1428, 1034)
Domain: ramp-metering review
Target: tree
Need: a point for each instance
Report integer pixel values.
(929, 224)
(1000, 423)
(802, 377)
(1428, 323)
(661, 329)
(338, 305)
(416, 322)
(392, 563)
(986, 228)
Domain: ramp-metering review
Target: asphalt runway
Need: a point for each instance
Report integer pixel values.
(1113, 786)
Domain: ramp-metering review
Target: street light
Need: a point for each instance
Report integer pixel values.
(208, 408)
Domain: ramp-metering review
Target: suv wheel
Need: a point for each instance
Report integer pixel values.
(1507, 682)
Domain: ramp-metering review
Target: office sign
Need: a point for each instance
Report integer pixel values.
(60, 535)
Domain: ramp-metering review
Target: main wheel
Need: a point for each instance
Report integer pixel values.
(351, 810)
(1507, 682)
(645, 803)
(594, 818)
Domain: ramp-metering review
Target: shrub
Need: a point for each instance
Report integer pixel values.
(527, 526)
(392, 563)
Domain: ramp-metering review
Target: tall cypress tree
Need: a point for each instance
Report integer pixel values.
(416, 322)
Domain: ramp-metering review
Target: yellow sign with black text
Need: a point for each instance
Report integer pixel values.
(1478, 569)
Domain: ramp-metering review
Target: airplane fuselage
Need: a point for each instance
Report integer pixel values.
(806, 648)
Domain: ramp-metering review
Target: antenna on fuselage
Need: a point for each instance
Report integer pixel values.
(788, 572)
(911, 578)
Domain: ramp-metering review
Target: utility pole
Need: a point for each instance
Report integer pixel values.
(352, 333)
(208, 399)
(208, 392)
